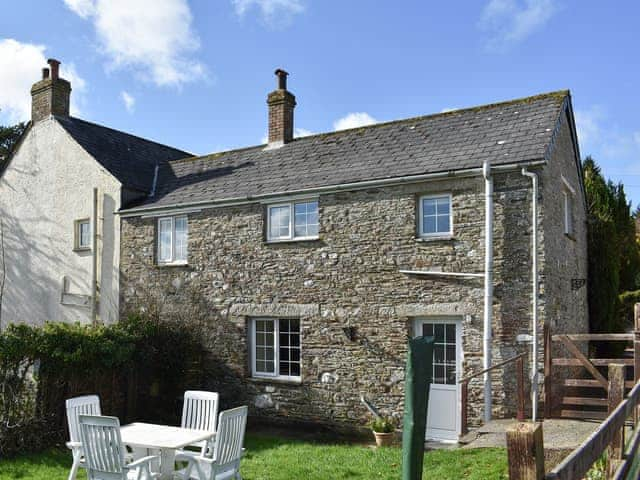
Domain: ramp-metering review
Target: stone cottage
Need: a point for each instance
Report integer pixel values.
(314, 259)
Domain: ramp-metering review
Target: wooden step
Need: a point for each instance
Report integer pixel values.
(583, 382)
(598, 362)
(600, 402)
(583, 414)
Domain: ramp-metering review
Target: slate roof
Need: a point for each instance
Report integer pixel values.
(132, 160)
(504, 133)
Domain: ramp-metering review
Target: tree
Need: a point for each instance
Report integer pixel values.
(614, 255)
(9, 136)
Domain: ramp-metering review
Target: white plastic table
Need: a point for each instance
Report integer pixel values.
(164, 438)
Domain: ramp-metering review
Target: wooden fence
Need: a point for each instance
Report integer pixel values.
(585, 404)
(526, 446)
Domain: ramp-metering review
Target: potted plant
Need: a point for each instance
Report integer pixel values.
(383, 428)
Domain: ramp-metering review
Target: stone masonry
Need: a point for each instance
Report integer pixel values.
(350, 277)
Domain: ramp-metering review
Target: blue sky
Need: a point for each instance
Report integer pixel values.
(195, 74)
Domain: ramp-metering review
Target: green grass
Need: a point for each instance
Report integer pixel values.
(270, 458)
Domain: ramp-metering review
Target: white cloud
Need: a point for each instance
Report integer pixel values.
(354, 120)
(508, 22)
(20, 67)
(154, 38)
(84, 8)
(275, 13)
(129, 101)
(447, 110)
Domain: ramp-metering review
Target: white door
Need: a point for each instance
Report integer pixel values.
(443, 414)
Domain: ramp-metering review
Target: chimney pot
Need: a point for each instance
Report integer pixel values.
(55, 68)
(282, 79)
(45, 73)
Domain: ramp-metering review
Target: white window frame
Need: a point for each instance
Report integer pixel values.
(172, 261)
(77, 237)
(292, 213)
(421, 233)
(276, 350)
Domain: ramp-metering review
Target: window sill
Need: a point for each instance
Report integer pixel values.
(173, 264)
(280, 380)
(293, 240)
(435, 238)
(82, 249)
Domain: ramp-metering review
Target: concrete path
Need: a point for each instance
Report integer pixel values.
(561, 436)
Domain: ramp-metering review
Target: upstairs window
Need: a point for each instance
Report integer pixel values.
(435, 216)
(276, 347)
(82, 234)
(293, 221)
(172, 240)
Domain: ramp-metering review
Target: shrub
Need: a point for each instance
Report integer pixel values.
(137, 362)
(382, 425)
(627, 300)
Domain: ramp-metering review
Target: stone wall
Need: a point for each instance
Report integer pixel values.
(348, 277)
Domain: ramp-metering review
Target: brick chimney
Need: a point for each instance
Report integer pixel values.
(281, 104)
(50, 96)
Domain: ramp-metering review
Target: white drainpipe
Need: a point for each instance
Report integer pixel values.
(488, 285)
(534, 327)
(94, 259)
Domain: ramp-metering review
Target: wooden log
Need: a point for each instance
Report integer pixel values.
(615, 398)
(525, 451)
(575, 351)
(548, 362)
(464, 400)
(520, 387)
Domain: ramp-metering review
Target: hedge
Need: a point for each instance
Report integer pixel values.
(139, 367)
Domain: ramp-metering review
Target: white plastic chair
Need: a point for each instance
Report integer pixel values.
(105, 453)
(199, 412)
(86, 405)
(223, 460)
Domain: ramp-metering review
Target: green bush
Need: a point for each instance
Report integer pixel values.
(382, 425)
(627, 300)
(137, 366)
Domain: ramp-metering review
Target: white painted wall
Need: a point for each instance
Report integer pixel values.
(46, 187)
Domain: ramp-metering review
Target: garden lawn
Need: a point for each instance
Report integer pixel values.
(271, 458)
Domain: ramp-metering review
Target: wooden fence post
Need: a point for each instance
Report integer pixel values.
(464, 401)
(520, 386)
(615, 397)
(636, 354)
(548, 396)
(525, 450)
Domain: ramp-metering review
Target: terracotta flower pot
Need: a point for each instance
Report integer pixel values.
(383, 439)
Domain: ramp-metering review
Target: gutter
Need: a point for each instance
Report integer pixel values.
(534, 293)
(469, 172)
(488, 288)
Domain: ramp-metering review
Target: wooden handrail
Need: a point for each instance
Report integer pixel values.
(464, 383)
(493, 367)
